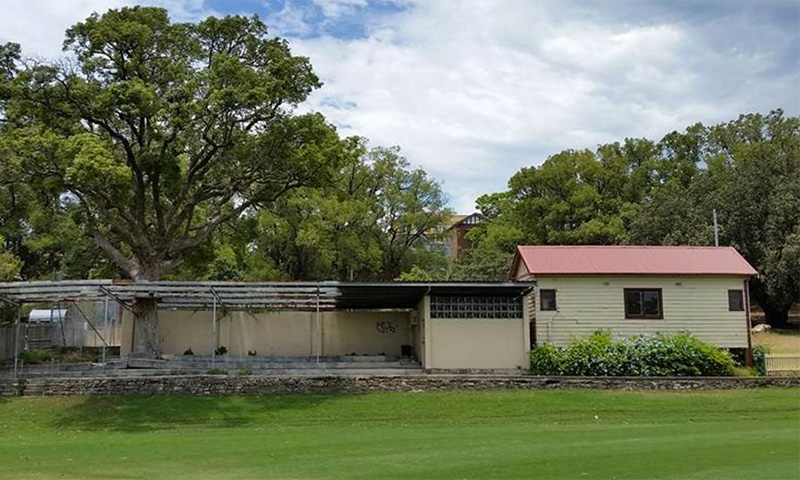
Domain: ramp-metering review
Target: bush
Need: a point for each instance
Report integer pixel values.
(245, 371)
(658, 355)
(35, 357)
(760, 358)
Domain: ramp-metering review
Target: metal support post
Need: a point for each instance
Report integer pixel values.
(319, 328)
(16, 342)
(214, 332)
(105, 327)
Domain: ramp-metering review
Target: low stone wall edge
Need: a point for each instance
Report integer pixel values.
(254, 385)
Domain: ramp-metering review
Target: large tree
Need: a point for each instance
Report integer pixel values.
(371, 220)
(664, 193)
(163, 132)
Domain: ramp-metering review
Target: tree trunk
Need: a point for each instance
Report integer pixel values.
(147, 340)
(776, 317)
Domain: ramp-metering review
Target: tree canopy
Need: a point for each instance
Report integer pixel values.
(158, 149)
(161, 132)
(176, 150)
(646, 193)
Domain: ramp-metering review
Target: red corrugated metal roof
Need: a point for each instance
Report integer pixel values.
(632, 260)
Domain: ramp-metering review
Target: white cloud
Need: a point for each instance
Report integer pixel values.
(337, 8)
(39, 25)
(474, 90)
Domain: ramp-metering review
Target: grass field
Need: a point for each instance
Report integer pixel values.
(753, 434)
(779, 341)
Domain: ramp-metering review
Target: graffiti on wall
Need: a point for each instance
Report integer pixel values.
(385, 327)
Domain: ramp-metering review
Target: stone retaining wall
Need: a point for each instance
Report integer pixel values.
(222, 385)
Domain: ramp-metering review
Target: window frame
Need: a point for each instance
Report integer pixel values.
(643, 316)
(740, 292)
(555, 300)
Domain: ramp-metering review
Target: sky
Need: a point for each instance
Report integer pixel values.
(474, 90)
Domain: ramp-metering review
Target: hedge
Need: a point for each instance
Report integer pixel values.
(645, 355)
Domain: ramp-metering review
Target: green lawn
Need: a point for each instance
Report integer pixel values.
(753, 434)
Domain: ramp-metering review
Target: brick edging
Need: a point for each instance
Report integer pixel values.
(223, 385)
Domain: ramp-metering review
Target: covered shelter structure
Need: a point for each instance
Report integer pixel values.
(442, 325)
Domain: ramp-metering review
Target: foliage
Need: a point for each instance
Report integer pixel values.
(416, 274)
(760, 358)
(369, 221)
(60, 355)
(659, 355)
(36, 357)
(645, 193)
(10, 265)
(245, 371)
(186, 126)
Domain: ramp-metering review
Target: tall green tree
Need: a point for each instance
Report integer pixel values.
(664, 193)
(756, 164)
(164, 132)
(370, 221)
(574, 197)
(752, 180)
(9, 264)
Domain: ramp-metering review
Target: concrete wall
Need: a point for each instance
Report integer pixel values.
(369, 333)
(269, 333)
(288, 333)
(695, 304)
(480, 343)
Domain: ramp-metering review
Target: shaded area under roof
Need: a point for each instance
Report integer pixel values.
(630, 260)
(254, 296)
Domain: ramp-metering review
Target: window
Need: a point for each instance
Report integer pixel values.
(735, 300)
(476, 307)
(547, 300)
(643, 303)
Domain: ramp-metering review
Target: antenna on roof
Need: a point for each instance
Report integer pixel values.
(716, 229)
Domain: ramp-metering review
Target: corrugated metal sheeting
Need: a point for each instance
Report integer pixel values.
(630, 260)
(246, 296)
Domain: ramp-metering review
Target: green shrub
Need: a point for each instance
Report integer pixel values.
(658, 355)
(35, 357)
(545, 360)
(244, 371)
(760, 358)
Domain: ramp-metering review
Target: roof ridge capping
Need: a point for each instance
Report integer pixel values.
(705, 247)
(631, 260)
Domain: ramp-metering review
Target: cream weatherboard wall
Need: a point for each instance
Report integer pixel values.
(586, 304)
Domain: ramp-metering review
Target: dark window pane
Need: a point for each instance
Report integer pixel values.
(652, 303)
(633, 303)
(735, 300)
(548, 300)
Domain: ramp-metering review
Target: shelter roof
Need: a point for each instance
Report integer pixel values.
(252, 296)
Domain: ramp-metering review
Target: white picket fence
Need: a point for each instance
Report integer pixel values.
(782, 364)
